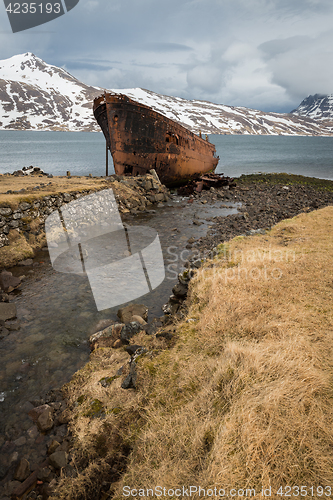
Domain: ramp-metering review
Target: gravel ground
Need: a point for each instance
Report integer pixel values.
(265, 202)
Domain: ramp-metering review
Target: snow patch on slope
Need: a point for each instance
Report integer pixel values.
(35, 95)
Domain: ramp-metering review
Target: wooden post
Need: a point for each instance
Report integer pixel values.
(107, 160)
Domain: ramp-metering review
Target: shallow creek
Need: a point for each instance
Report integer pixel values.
(57, 313)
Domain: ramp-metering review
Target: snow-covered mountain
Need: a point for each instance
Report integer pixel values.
(35, 95)
(38, 96)
(318, 107)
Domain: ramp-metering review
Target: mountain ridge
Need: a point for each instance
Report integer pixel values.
(317, 106)
(35, 95)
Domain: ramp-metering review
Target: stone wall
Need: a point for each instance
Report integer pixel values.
(133, 194)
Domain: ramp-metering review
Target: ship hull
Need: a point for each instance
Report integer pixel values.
(141, 139)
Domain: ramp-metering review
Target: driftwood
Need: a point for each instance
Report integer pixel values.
(29, 483)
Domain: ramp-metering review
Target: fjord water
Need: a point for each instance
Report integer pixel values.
(247, 154)
(84, 152)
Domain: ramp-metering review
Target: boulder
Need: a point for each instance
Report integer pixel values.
(129, 330)
(22, 471)
(45, 420)
(6, 211)
(106, 337)
(130, 381)
(24, 205)
(180, 290)
(139, 319)
(7, 280)
(35, 412)
(125, 314)
(131, 349)
(58, 459)
(53, 447)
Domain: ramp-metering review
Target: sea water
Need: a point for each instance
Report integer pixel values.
(84, 152)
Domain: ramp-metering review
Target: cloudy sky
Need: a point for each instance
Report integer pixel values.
(262, 54)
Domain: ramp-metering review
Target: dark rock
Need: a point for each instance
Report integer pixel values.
(7, 280)
(152, 327)
(44, 474)
(106, 337)
(37, 410)
(129, 331)
(165, 334)
(23, 470)
(6, 211)
(61, 431)
(180, 290)
(58, 459)
(13, 325)
(130, 381)
(53, 447)
(45, 420)
(24, 206)
(131, 349)
(10, 487)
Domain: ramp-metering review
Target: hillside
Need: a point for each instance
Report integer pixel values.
(318, 107)
(35, 95)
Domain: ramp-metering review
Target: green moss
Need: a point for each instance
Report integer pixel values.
(81, 399)
(96, 409)
(152, 370)
(115, 411)
(223, 250)
(106, 381)
(285, 179)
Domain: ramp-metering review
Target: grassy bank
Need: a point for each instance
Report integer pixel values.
(46, 187)
(243, 398)
(286, 179)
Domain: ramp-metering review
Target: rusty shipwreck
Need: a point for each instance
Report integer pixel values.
(140, 139)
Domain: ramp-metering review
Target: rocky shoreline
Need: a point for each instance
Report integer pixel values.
(263, 205)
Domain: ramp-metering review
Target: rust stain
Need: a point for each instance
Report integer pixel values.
(141, 139)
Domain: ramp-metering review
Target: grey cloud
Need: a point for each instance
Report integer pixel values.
(165, 47)
(73, 65)
(276, 47)
(267, 54)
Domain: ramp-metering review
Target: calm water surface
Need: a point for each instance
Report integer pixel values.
(84, 152)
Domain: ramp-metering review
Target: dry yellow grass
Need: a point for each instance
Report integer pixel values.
(244, 400)
(59, 184)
